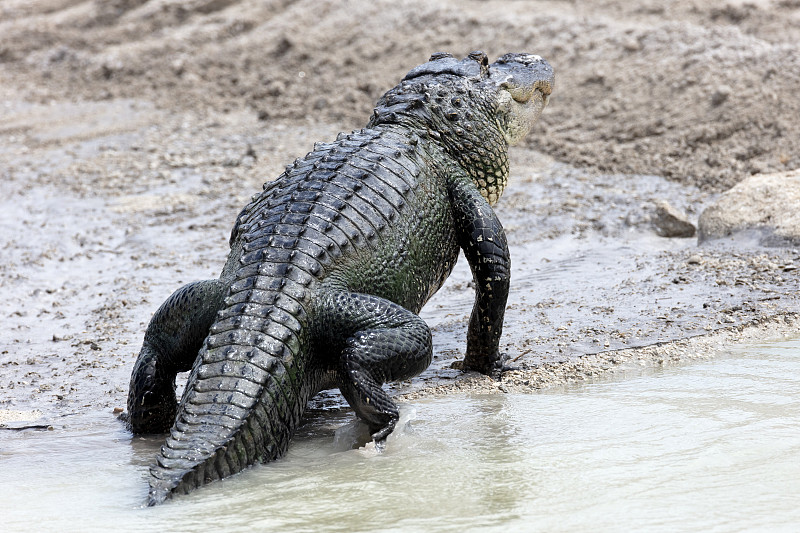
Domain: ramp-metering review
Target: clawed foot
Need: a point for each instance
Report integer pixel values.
(503, 363)
(380, 436)
(498, 366)
(457, 365)
(154, 413)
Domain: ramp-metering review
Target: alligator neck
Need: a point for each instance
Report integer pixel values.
(467, 133)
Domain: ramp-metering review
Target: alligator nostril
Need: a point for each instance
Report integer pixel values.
(440, 55)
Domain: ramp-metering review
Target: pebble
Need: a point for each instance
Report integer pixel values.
(671, 223)
(719, 96)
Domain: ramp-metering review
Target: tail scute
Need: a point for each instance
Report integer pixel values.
(219, 432)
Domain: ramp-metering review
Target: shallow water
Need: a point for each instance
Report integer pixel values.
(710, 446)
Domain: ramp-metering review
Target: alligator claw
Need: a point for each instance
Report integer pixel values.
(380, 436)
(499, 366)
(502, 363)
(457, 365)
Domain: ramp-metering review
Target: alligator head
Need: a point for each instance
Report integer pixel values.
(471, 107)
(519, 85)
(523, 83)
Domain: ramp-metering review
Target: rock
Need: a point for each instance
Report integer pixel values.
(765, 204)
(669, 222)
(720, 95)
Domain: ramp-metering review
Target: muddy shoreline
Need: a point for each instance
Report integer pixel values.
(121, 175)
(88, 255)
(618, 363)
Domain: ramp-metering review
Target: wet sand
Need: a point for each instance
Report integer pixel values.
(121, 180)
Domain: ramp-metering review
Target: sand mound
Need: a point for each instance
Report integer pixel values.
(698, 93)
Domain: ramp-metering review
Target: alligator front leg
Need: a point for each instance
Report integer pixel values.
(481, 237)
(171, 342)
(377, 341)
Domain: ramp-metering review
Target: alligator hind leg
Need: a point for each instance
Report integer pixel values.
(171, 342)
(382, 342)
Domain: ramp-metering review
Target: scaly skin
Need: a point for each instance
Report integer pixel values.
(330, 265)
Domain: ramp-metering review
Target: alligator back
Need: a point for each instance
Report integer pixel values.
(366, 214)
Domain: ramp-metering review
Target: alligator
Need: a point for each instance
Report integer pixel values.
(329, 266)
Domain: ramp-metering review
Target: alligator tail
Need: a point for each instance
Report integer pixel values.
(244, 397)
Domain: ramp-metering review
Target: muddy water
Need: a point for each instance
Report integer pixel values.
(705, 446)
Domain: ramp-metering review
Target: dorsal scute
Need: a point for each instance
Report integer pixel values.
(475, 66)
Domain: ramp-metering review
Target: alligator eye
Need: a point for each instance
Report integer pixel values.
(520, 94)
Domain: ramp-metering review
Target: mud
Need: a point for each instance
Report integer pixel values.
(699, 92)
(132, 132)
